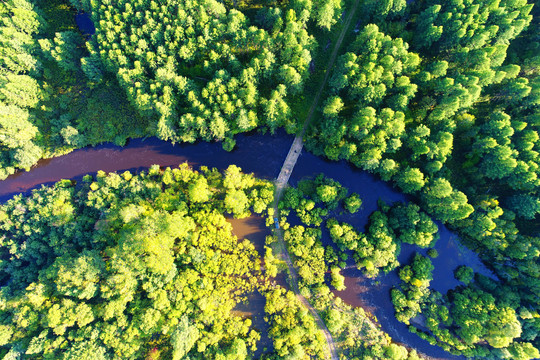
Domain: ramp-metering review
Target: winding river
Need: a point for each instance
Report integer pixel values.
(263, 155)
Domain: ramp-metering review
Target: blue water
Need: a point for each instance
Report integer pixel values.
(85, 24)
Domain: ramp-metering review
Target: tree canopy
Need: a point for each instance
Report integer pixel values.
(128, 265)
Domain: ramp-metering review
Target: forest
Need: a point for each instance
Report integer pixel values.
(439, 98)
(445, 103)
(196, 70)
(145, 266)
(141, 266)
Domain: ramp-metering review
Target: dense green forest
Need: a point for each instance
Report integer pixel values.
(48, 105)
(145, 266)
(179, 70)
(441, 98)
(126, 266)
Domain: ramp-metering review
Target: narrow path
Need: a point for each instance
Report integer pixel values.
(297, 145)
(294, 283)
(286, 171)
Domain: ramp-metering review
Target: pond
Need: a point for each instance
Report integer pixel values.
(263, 155)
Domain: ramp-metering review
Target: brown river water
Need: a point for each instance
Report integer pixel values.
(263, 155)
(254, 229)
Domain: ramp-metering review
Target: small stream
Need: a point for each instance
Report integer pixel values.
(263, 155)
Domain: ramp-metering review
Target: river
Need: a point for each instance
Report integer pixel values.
(263, 155)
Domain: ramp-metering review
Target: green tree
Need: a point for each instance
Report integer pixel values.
(412, 225)
(410, 180)
(199, 191)
(353, 203)
(464, 274)
(338, 280)
(183, 338)
(65, 49)
(444, 202)
(236, 202)
(478, 316)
